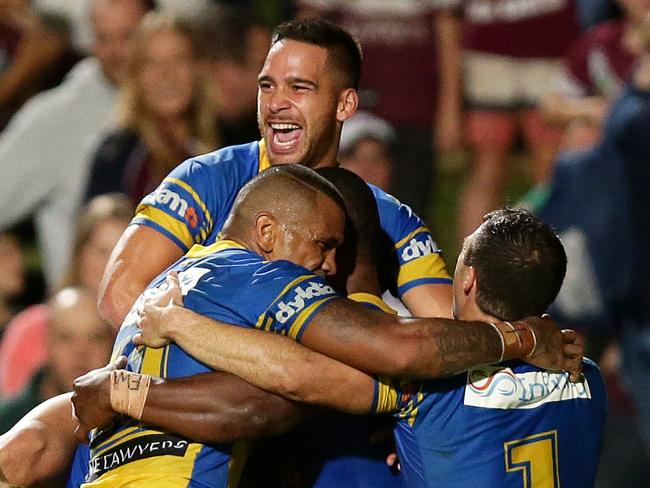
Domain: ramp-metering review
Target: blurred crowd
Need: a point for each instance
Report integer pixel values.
(100, 99)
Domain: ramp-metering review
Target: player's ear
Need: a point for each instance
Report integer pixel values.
(265, 231)
(347, 105)
(469, 280)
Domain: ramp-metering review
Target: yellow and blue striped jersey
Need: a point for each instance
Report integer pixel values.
(226, 282)
(191, 206)
(510, 425)
(336, 450)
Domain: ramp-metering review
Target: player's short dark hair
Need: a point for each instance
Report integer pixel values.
(307, 177)
(344, 50)
(519, 262)
(363, 229)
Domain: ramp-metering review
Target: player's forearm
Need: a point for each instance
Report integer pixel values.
(430, 300)
(40, 446)
(368, 341)
(440, 347)
(421, 348)
(218, 407)
(272, 362)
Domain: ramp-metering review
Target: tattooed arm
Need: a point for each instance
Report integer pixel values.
(366, 340)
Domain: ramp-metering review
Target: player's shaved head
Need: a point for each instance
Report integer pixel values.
(358, 258)
(290, 193)
(361, 209)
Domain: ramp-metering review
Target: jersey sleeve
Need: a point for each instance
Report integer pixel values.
(179, 207)
(277, 296)
(397, 396)
(414, 252)
(299, 298)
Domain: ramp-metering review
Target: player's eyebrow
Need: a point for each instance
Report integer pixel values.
(303, 81)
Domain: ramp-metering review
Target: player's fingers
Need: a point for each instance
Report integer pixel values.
(572, 350)
(119, 363)
(137, 340)
(391, 459)
(574, 367)
(569, 335)
(174, 287)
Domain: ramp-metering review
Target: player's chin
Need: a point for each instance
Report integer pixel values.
(293, 157)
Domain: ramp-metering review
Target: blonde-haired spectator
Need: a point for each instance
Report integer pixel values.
(167, 111)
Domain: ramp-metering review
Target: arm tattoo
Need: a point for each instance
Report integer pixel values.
(464, 345)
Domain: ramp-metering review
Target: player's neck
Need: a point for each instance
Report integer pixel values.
(471, 312)
(232, 235)
(364, 279)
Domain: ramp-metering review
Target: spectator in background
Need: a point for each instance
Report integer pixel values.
(45, 151)
(599, 204)
(593, 74)
(167, 113)
(401, 48)
(12, 278)
(509, 58)
(233, 48)
(365, 149)
(23, 348)
(35, 53)
(78, 340)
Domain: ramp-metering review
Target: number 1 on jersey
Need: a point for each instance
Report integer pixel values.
(536, 458)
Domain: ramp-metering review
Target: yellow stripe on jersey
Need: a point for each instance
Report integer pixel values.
(302, 317)
(429, 266)
(264, 162)
(161, 472)
(169, 223)
(195, 196)
(387, 396)
(410, 412)
(154, 363)
(373, 300)
(264, 324)
(410, 236)
(119, 437)
(199, 251)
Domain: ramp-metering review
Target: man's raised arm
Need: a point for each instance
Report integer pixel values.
(139, 256)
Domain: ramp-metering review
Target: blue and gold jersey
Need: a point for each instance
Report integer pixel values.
(191, 206)
(511, 426)
(223, 281)
(337, 450)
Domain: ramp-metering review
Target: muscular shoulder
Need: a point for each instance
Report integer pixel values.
(241, 161)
